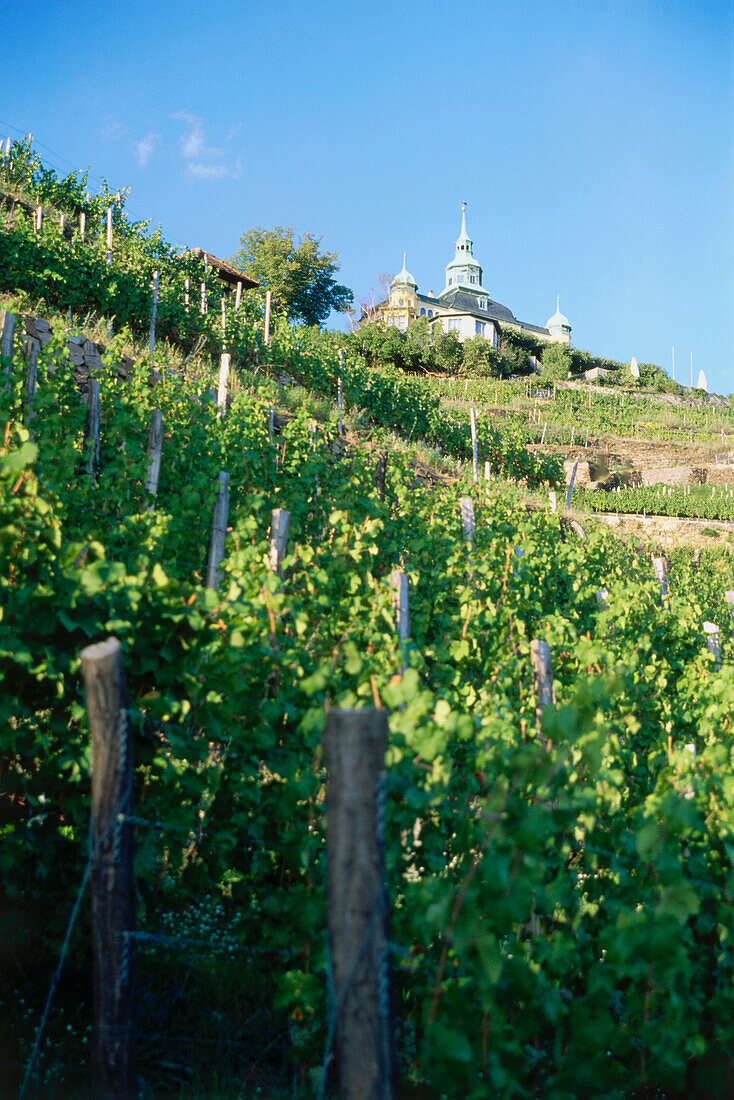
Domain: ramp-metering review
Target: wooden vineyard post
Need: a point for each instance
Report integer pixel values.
(729, 597)
(355, 742)
(474, 453)
(271, 425)
(601, 598)
(112, 884)
(223, 382)
(7, 334)
(468, 526)
(660, 566)
(218, 532)
(154, 306)
(92, 428)
(487, 471)
(713, 641)
(31, 378)
(224, 321)
(553, 501)
(540, 659)
(340, 395)
(109, 261)
(155, 451)
(380, 474)
(545, 429)
(266, 326)
(570, 488)
(399, 584)
(238, 295)
(187, 286)
(280, 521)
(204, 305)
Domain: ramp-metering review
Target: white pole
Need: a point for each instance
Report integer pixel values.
(109, 261)
(186, 294)
(238, 296)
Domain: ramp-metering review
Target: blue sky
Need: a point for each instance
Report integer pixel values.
(591, 141)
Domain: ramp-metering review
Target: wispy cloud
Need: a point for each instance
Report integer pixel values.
(112, 128)
(144, 149)
(203, 161)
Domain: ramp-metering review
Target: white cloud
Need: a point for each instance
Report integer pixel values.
(202, 161)
(144, 149)
(112, 128)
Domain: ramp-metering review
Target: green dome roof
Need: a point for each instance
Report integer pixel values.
(558, 320)
(404, 278)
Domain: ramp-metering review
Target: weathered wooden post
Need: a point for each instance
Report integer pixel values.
(112, 884)
(82, 226)
(7, 335)
(154, 306)
(238, 295)
(271, 424)
(223, 382)
(399, 584)
(540, 659)
(187, 286)
(218, 532)
(92, 428)
(713, 641)
(474, 452)
(32, 348)
(545, 429)
(280, 521)
(355, 742)
(266, 326)
(109, 261)
(570, 487)
(660, 567)
(155, 451)
(380, 474)
(340, 395)
(487, 470)
(468, 526)
(553, 501)
(38, 219)
(204, 304)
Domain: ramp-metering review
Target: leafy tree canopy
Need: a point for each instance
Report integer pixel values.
(299, 276)
(556, 362)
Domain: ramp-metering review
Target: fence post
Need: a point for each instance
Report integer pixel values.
(31, 379)
(91, 428)
(355, 742)
(223, 380)
(280, 521)
(155, 450)
(713, 641)
(468, 527)
(266, 326)
(570, 488)
(553, 501)
(661, 575)
(474, 454)
(238, 295)
(380, 474)
(151, 342)
(112, 886)
(399, 584)
(7, 333)
(340, 395)
(540, 659)
(218, 533)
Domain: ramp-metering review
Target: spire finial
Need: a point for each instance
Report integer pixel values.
(404, 258)
(558, 302)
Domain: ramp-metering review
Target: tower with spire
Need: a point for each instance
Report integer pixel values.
(464, 272)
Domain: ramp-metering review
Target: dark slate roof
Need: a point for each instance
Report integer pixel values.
(467, 303)
(533, 328)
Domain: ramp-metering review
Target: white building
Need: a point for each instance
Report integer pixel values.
(463, 306)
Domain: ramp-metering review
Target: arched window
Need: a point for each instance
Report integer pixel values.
(423, 312)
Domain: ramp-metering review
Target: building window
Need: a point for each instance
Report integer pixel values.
(479, 328)
(423, 312)
(430, 313)
(454, 324)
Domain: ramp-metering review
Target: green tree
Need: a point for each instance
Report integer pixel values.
(556, 362)
(299, 276)
(482, 359)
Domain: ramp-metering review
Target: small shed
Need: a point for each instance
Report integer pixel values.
(229, 276)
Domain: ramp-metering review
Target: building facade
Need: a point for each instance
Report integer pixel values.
(463, 306)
